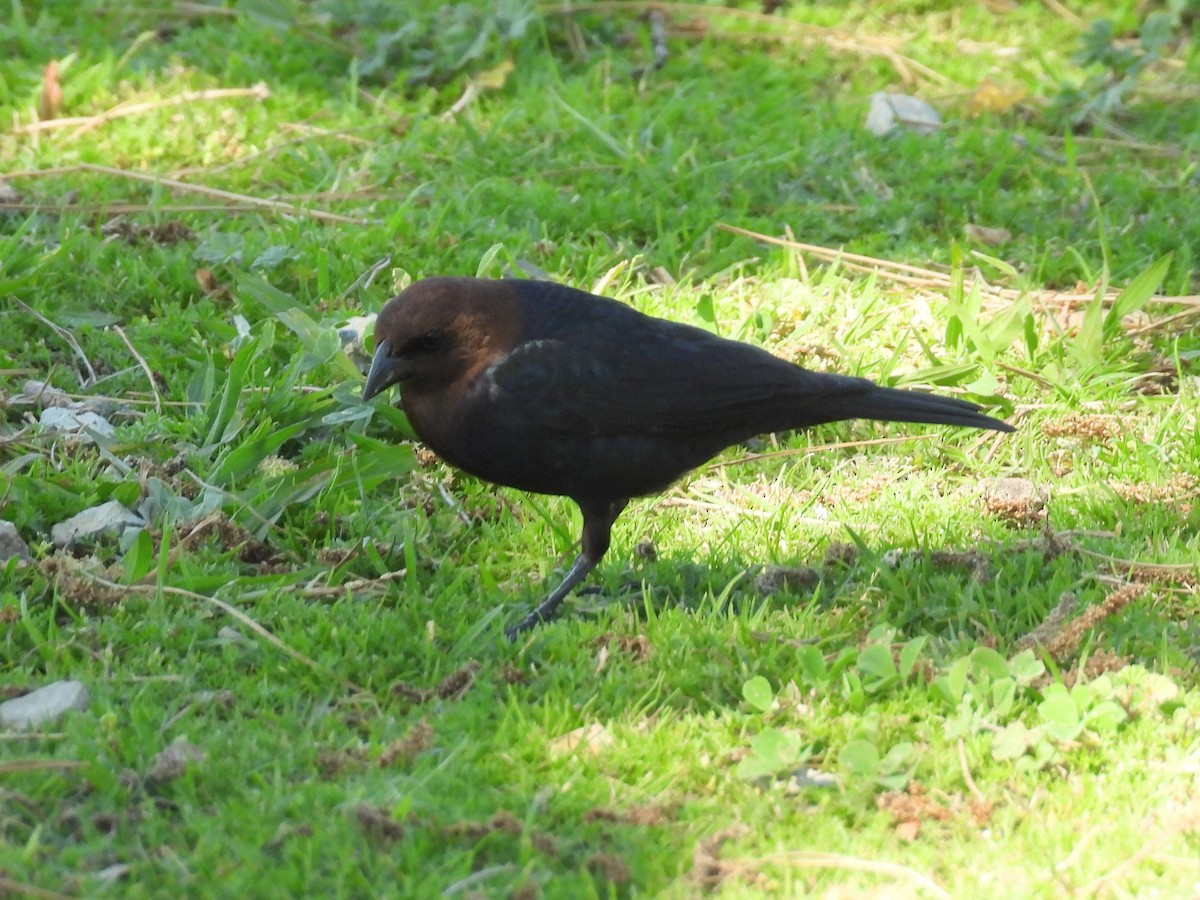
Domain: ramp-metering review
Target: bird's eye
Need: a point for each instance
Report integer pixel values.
(432, 340)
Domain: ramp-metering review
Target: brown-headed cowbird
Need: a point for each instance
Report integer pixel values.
(557, 391)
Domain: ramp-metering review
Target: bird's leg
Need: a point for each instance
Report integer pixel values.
(598, 518)
(546, 610)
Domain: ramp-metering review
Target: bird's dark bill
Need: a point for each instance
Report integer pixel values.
(386, 370)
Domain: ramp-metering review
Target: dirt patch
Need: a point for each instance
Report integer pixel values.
(710, 869)
(81, 591)
(1061, 635)
(378, 823)
(609, 867)
(910, 809)
(503, 822)
(1180, 576)
(404, 750)
(331, 763)
(1091, 428)
(230, 537)
(511, 674)
(635, 646)
(453, 687)
(650, 814)
(161, 233)
(776, 579)
(1180, 490)
(1017, 502)
(645, 550)
(1097, 664)
(841, 554)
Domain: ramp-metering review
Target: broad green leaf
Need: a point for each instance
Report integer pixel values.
(758, 693)
(860, 757)
(1060, 715)
(812, 664)
(139, 558)
(1012, 741)
(876, 661)
(772, 750)
(1137, 293)
(910, 653)
(985, 660)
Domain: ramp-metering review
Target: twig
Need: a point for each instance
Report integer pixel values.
(966, 773)
(1025, 373)
(345, 134)
(1133, 564)
(39, 765)
(283, 145)
(86, 123)
(903, 273)
(66, 336)
(1077, 851)
(809, 859)
(1162, 150)
(19, 889)
(818, 448)
(475, 877)
(1056, 7)
(229, 495)
(658, 40)
(1162, 323)
(145, 366)
(204, 190)
(226, 608)
(366, 278)
(119, 209)
(131, 401)
(454, 505)
(357, 584)
(1179, 823)
(487, 81)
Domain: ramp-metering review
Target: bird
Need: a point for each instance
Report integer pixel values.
(553, 390)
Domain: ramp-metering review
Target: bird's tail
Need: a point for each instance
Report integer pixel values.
(893, 405)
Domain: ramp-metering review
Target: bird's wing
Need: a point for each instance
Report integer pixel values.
(669, 379)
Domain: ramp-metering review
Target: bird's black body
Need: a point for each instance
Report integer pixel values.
(557, 391)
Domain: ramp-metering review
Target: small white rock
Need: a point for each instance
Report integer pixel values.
(46, 704)
(891, 111)
(74, 421)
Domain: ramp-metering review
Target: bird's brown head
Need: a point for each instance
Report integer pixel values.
(440, 332)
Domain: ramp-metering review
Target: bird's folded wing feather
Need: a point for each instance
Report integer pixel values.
(670, 381)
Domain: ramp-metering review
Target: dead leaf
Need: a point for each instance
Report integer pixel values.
(51, 104)
(173, 761)
(584, 739)
(209, 284)
(994, 98)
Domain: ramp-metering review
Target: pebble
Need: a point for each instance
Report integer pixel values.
(46, 704)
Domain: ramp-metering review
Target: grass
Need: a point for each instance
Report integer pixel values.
(317, 610)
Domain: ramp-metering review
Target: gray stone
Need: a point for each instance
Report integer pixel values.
(11, 544)
(107, 518)
(889, 112)
(75, 422)
(46, 704)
